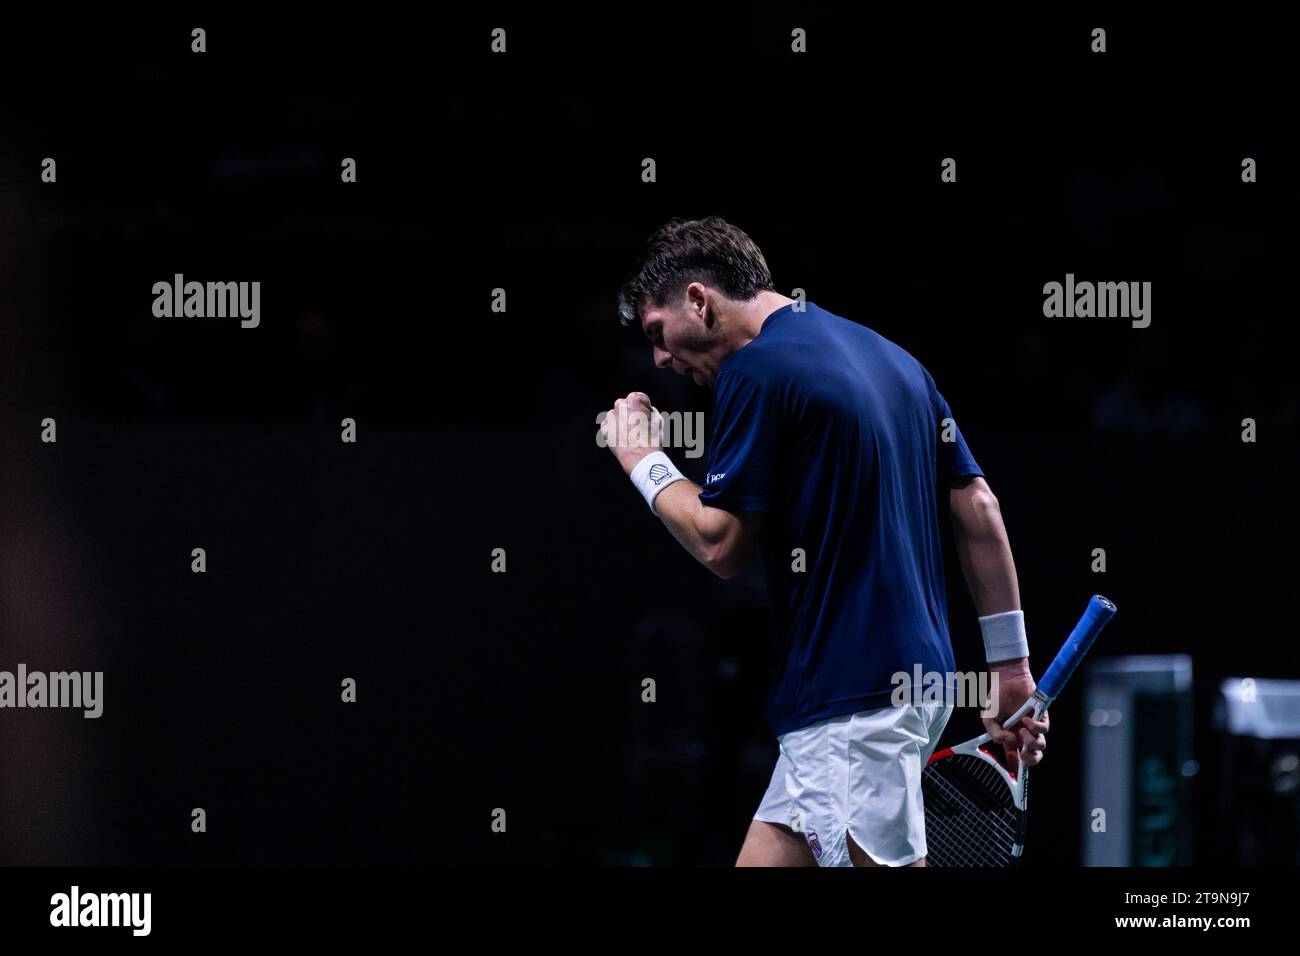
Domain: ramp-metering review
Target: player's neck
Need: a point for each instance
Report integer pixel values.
(753, 314)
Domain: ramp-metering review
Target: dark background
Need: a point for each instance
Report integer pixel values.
(476, 429)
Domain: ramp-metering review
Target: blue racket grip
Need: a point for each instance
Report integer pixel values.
(1076, 646)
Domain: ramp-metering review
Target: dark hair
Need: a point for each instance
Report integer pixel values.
(682, 251)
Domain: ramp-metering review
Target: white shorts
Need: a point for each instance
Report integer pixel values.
(859, 773)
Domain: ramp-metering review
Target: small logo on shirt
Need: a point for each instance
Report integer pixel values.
(659, 472)
(710, 479)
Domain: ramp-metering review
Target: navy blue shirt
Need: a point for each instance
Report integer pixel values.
(838, 435)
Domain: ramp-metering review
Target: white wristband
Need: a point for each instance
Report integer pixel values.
(1004, 636)
(653, 474)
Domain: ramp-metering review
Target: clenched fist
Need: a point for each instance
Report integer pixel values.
(632, 429)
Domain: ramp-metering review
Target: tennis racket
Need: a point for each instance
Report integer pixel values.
(975, 810)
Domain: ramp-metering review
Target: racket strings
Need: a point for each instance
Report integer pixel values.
(970, 817)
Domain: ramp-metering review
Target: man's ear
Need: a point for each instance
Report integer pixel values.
(709, 316)
(696, 298)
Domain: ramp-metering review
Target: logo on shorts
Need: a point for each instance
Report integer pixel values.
(815, 844)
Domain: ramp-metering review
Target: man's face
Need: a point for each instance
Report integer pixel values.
(681, 341)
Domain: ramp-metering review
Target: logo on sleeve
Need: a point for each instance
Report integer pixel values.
(710, 479)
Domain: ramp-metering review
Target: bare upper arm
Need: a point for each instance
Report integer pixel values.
(970, 505)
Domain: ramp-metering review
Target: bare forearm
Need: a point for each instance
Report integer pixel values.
(683, 514)
(721, 541)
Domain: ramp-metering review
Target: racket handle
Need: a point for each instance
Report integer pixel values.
(1099, 612)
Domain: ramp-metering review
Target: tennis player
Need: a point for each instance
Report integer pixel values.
(833, 453)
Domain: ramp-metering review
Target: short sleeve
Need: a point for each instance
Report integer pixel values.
(744, 447)
(955, 458)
